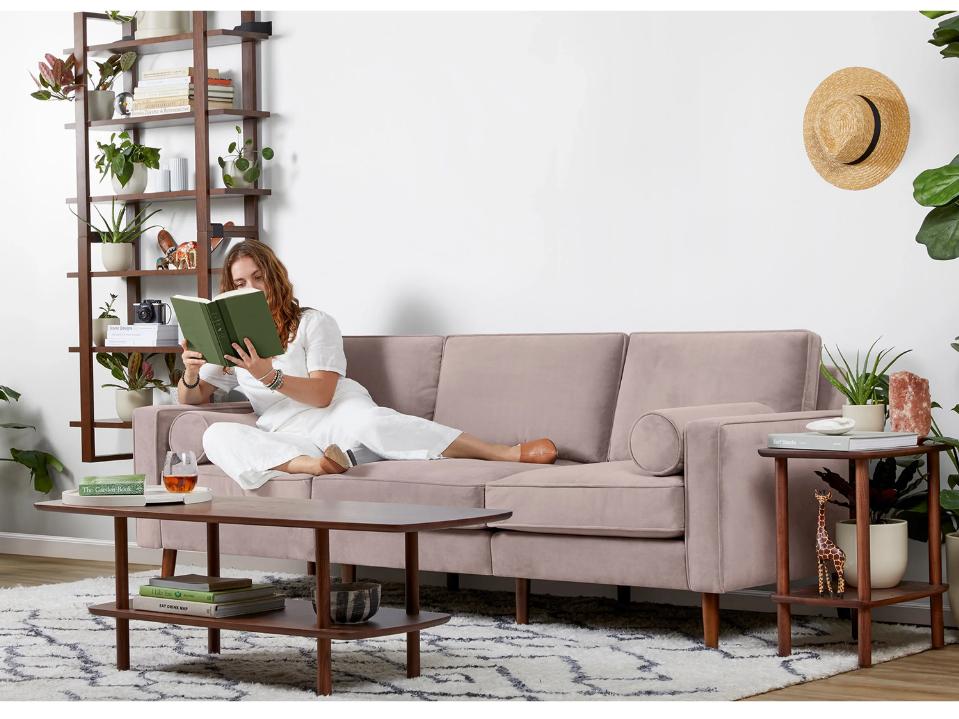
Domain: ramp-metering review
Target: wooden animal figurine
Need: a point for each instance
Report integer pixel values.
(181, 256)
(826, 550)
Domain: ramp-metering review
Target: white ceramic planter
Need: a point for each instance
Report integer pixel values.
(116, 256)
(100, 104)
(159, 23)
(888, 552)
(100, 329)
(952, 569)
(129, 400)
(238, 181)
(136, 184)
(869, 417)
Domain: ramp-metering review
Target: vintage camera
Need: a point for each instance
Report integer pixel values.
(151, 312)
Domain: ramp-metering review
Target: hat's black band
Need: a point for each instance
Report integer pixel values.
(876, 122)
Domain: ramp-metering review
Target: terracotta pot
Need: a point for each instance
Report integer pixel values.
(100, 329)
(100, 104)
(888, 551)
(136, 184)
(116, 256)
(129, 400)
(869, 417)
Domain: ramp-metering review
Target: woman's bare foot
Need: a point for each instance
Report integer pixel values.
(333, 461)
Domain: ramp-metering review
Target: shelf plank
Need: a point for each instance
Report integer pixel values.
(109, 457)
(172, 119)
(172, 43)
(136, 273)
(297, 619)
(105, 424)
(903, 592)
(166, 349)
(215, 193)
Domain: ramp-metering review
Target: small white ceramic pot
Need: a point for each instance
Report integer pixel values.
(238, 181)
(116, 256)
(952, 569)
(100, 329)
(888, 551)
(869, 417)
(100, 104)
(136, 184)
(129, 400)
(160, 23)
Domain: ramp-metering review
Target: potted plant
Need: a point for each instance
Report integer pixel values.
(106, 318)
(896, 486)
(863, 385)
(241, 166)
(60, 80)
(117, 236)
(101, 98)
(126, 163)
(136, 374)
(41, 464)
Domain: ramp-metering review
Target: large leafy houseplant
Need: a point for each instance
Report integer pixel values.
(41, 464)
(118, 159)
(863, 383)
(894, 488)
(132, 370)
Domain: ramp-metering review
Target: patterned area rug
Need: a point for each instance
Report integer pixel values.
(575, 648)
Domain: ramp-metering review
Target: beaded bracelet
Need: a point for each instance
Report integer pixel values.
(277, 381)
(188, 385)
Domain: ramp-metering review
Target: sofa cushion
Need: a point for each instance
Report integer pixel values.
(658, 439)
(399, 372)
(444, 482)
(513, 388)
(610, 499)
(680, 369)
(186, 430)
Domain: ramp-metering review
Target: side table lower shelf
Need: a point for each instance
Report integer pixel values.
(903, 592)
(297, 619)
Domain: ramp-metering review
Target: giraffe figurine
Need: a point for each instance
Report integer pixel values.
(826, 550)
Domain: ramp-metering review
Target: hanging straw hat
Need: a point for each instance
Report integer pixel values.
(856, 128)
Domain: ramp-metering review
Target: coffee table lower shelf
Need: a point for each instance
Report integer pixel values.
(297, 619)
(902, 592)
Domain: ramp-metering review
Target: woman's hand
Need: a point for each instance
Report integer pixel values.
(249, 360)
(192, 361)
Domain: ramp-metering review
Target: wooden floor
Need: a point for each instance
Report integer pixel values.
(930, 676)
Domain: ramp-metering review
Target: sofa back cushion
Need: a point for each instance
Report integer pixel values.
(682, 369)
(400, 372)
(512, 388)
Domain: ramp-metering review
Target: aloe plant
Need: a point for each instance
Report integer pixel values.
(41, 464)
(116, 229)
(861, 383)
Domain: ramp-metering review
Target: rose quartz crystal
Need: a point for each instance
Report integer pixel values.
(909, 404)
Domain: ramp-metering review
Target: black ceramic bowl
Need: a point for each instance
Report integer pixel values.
(353, 603)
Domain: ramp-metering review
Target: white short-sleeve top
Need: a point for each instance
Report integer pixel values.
(317, 345)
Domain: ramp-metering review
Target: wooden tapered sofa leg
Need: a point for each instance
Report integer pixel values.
(522, 601)
(624, 595)
(168, 565)
(453, 581)
(311, 569)
(711, 620)
(348, 573)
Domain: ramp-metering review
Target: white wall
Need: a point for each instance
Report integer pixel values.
(443, 173)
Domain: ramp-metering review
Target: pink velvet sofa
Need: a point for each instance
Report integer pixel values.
(658, 483)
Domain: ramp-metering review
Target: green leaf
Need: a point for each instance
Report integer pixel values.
(947, 31)
(232, 147)
(949, 499)
(6, 393)
(939, 232)
(242, 164)
(227, 180)
(267, 153)
(950, 50)
(39, 463)
(41, 94)
(14, 425)
(252, 175)
(238, 130)
(127, 60)
(933, 14)
(936, 187)
(221, 162)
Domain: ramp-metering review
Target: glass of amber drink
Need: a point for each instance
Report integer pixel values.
(179, 472)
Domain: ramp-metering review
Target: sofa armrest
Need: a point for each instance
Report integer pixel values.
(151, 431)
(731, 506)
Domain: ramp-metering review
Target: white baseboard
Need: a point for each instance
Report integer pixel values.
(40, 545)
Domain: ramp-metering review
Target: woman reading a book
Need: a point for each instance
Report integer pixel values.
(307, 409)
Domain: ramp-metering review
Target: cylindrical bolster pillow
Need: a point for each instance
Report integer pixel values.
(657, 439)
(186, 431)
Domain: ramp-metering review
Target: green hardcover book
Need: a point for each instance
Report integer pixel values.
(212, 326)
(99, 490)
(255, 591)
(114, 479)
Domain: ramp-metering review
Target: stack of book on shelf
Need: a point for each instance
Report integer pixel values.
(143, 334)
(112, 490)
(207, 596)
(171, 90)
(848, 442)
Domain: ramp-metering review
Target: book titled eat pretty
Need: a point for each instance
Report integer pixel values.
(212, 326)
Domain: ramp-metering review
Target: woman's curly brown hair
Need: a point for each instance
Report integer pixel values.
(284, 307)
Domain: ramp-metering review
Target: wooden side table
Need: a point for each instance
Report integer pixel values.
(861, 599)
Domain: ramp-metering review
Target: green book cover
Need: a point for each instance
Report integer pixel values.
(255, 591)
(212, 326)
(114, 479)
(99, 490)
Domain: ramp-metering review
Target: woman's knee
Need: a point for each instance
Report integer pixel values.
(220, 435)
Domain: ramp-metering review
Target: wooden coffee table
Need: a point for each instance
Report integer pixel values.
(298, 618)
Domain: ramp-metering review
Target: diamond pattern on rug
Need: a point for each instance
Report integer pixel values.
(52, 648)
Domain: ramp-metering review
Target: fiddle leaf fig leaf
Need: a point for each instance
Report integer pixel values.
(939, 232)
(7, 394)
(933, 14)
(937, 187)
(950, 50)
(946, 32)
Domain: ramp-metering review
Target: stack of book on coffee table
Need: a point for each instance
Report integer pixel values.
(207, 596)
(848, 442)
(107, 490)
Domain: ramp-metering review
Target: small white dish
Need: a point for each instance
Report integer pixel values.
(832, 425)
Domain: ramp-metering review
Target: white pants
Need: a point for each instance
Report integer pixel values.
(352, 421)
